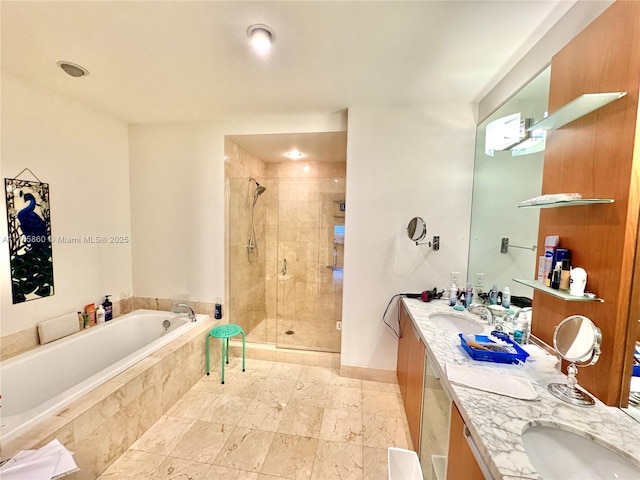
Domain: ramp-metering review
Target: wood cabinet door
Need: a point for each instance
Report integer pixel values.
(461, 464)
(415, 384)
(403, 351)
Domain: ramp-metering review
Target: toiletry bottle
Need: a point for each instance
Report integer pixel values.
(468, 295)
(555, 276)
(506, 297)
(108, 308)
(453, 295)
(81, 320)
(493, 295)
(100, 313)
(550, 245)
(522, 329)
(218, 310)
(565, 275)
(541, 278)
(91, 310)
(87, 320)
(578, 282)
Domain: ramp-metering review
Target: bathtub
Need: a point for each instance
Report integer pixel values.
(39, 383)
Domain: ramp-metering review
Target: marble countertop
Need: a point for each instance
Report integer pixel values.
(496, 422)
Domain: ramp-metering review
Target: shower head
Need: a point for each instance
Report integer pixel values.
(259, 188)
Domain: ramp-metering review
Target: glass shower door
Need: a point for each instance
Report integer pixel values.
(310, 249)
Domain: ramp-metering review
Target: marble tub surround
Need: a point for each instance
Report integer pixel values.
(101, 425)
(496, 422)
(24, 340)
(273, 421)
(165, 304)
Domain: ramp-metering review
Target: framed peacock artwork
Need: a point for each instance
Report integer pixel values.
(29, 239)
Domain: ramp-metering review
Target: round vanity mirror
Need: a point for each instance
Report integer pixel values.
(577, 340)
(417, 229)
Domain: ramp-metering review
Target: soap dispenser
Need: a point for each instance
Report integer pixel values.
(108, 308)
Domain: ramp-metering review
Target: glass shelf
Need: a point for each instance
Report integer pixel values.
(569, 203)
(581, 106)
(556, 293)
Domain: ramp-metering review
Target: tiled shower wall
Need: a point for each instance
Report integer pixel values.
(246, 299)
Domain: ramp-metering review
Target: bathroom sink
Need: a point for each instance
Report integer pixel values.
(563, 455)
(455, 323)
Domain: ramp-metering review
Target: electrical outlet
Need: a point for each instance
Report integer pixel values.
(338, 325)
(479, 279)
(455, 278)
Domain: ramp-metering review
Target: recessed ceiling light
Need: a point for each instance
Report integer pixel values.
(261, 37)
(294, 155)
(73, 69)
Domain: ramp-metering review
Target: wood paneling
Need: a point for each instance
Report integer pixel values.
(597, 157)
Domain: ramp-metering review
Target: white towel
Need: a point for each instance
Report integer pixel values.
(58, 327)
(509, 385)
(49, 462)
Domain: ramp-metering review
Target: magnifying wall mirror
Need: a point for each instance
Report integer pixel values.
(417, 229)
(577, 340)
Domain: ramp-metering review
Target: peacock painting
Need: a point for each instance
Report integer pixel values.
(29, 239)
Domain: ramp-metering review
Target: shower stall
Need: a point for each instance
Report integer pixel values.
(285, 253)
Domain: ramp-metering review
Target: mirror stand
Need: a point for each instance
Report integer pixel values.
(569, 392)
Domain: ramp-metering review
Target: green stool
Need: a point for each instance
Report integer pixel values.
(224, 332)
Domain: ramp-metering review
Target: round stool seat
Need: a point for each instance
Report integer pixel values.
(226, 331)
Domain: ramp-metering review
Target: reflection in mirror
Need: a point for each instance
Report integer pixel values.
(417, 229)
(500, 182)
(577, 340)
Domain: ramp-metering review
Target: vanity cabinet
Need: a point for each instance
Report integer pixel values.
(461, 462)
(410, 371)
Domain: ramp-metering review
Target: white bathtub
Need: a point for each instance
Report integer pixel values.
(39, 383)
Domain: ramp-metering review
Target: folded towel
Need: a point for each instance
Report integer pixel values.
(551, 198)
(509, 385)
(58, 327)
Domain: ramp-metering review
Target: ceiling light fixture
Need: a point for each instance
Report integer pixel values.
(73, 69)
(294, 155)
(261, 37)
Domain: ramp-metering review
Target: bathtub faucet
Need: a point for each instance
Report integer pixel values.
(184, 306)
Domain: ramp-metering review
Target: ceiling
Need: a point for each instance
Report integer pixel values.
(173, 61)
(316, 147)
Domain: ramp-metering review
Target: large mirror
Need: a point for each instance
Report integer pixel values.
(500, 182)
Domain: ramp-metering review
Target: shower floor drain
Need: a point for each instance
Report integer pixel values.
(289, 332)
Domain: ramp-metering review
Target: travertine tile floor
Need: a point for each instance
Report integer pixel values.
(274, 421)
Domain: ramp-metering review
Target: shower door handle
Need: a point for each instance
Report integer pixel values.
(284, 266)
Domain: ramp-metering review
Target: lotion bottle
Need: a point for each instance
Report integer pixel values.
(100, 314)
(506, 297)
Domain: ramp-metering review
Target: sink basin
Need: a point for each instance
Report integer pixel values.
(455, 323)
(562, 455)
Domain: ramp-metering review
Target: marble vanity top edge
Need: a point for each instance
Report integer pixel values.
(497, 422)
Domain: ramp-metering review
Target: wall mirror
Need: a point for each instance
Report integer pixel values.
(500, 182)
(417, 229)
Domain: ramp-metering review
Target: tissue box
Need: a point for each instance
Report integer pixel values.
(490, 356)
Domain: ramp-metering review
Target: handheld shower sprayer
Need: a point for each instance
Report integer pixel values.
(252, 248)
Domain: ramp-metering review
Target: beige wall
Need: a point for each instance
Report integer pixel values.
(83, 155)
